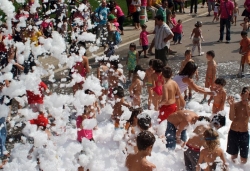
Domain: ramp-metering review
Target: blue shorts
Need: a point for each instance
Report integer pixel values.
(238, 141)
(145, 47)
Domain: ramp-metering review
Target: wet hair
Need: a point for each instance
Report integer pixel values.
(118, 91)
(201, 118)
(115, 63)
(150, 63)
(88, 91)
(134, 114)
(243, 33)
(211, 137)
(167, 72)
(244, 90)
(157, 65)
(189, 69)
(144, 122)
(198, 24)
(138, 68)
(132, 45)
(220, 81)
(159, 17)
(211, 53)
(144, 140)
(218, 120)
(187, 52)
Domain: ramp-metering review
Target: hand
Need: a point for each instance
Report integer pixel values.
(179, 141)
(203, 40)
(209, 101)
(230, 100)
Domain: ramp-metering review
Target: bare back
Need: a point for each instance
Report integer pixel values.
(170, 91)
(135, 163)
(197, 141)
(196, 32)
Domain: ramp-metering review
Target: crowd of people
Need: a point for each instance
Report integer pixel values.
(167, 93)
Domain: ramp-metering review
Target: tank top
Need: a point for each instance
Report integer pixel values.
(182, 86)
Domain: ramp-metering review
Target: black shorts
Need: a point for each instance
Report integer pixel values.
(238, 141)
(145, 47)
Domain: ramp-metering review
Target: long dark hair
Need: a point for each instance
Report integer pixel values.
(189, 69)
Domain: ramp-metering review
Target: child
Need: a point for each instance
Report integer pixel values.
(132, 60)
(182, 6)
(244, 50)
(235, 12)
(220, 97)
(238, 136)
(178, 32)
(145, 141)
(197, 37)
(212, 152)
(188, 57)
(144, 41)
(118, 93)
(194, 144)
(136, 87)
(157, 82)
(81, 132)
(216, 10)
(173, 21)
(148, 82)
(210, 73)
(245, 25)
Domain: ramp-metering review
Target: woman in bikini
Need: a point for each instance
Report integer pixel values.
(157, 83)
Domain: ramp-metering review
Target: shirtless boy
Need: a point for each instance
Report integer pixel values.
(138, 162)
(244, 51)
(118, 93)
(220, 97)
(238, 137)
(136, 87)
(210, 73)
(170, 91)
(148, 82)
(188, 57)
(197, 37)
(176, 127)
(212, 152)
(194, 144)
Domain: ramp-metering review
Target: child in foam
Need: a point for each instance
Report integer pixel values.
(148, 82)
(197, 37)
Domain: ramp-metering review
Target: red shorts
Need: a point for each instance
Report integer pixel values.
(110, 93)
(166, 110)
(40, 121)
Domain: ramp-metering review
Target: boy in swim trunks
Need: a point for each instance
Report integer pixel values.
(220, 97)
(244, 50)
(118, 93)
(136, 87)
(238, 136)
(148, 82)
(171, 91)
(135, 162)
(210, 73)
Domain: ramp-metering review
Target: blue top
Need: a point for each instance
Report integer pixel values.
(102, 14)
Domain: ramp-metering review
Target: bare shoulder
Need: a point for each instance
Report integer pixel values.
(147, 166)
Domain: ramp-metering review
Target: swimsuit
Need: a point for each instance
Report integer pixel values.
(131, 60)
(158, 88)
(166, 110)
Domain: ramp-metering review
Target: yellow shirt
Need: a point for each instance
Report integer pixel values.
(156, 2)
(34, 37)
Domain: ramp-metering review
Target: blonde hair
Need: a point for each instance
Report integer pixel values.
(212, 139)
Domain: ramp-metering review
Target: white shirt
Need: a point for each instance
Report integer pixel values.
(161, 32)
(182, 86)
(216, 9)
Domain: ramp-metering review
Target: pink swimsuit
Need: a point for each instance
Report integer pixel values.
(81, 133)
(158, 85)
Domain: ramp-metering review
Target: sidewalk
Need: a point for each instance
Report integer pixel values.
(130, 34)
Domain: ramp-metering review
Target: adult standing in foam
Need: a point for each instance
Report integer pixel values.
(185, 79)
(225, 14)
(163, 35)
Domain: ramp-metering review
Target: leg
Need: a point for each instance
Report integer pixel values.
(121, 21)
(188, 163)
(170, 136)
(199, 46)
(244, 147)
(232, 144)
(222, 22)
(191, 6)
(209, 7)
(228, 25)
(151, 46)
(195, 6)
(149, 97)
(184, 135)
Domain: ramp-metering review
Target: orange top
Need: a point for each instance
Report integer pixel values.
(245, 48)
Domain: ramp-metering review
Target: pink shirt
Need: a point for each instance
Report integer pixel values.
(174, 22)
(144, 38)
(143, 3)
(226, 11)
(247, 3)
(81, 133)
(119, 12)
(178, 28)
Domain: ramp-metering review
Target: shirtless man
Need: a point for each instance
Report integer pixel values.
(82, 68)
(176, 127)
(194, 144)
(115, 75)
(138, 162)
(238, 137)
(148, 82)
(210, 73)
(220, 97)
(136, 87)
(118, 93)
(171, 91)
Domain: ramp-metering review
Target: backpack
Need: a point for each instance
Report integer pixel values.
(118, 38)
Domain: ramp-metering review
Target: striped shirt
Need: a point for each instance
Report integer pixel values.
(161, 32)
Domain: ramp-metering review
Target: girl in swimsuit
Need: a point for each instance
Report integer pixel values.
(157, 83)
(148, 82)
